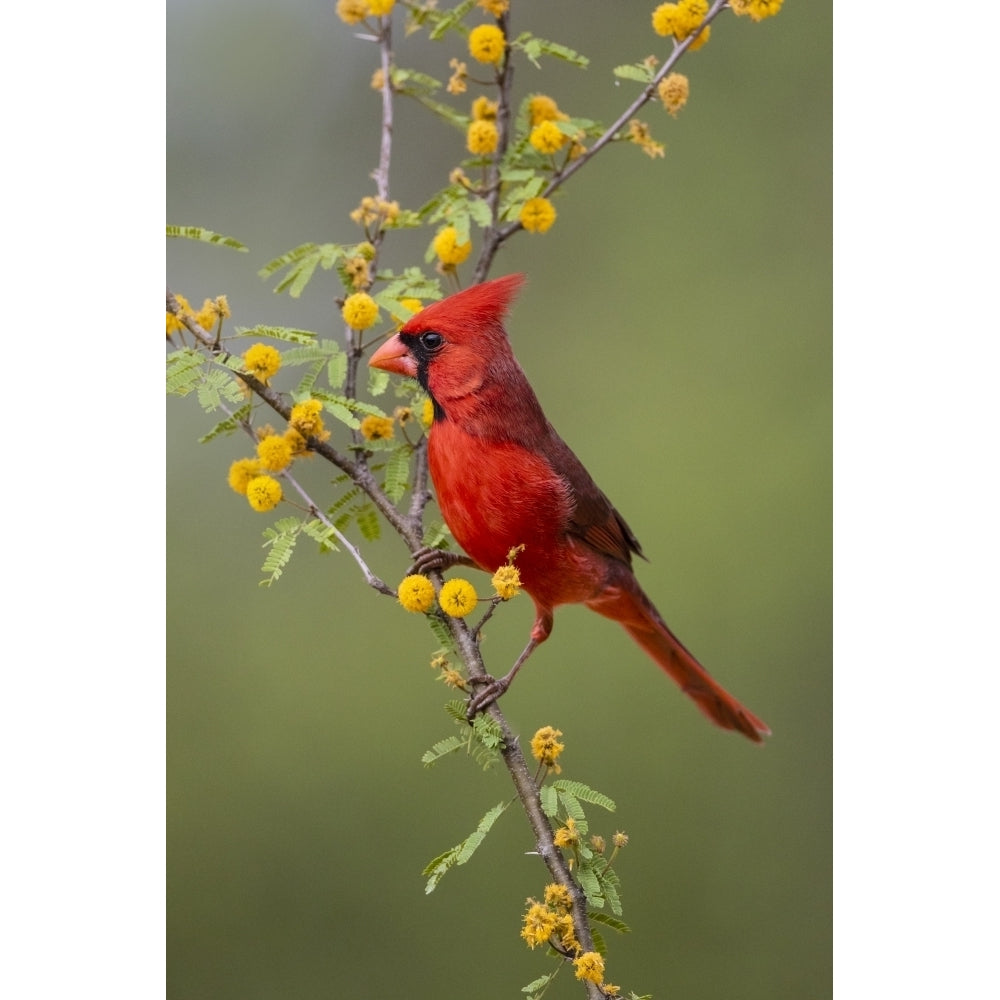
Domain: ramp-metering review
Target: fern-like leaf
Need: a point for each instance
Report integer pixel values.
(441, 749)
(205, 236)
(183, 371)
(460, 853)
(226, 426)
(397, 473)
(585, 793)
(285, 333)
(368, 523)
(596, 916)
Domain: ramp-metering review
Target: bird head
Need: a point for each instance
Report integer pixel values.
(455, 347)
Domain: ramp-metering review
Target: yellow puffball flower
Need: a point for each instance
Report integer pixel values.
(262, 361)
(487, 43)
(568, 835)
(673, 91)
(449, 251)
(274, 452)
(359, 311)
(545, 747)
(241, 472)
(416, 593)
(547, 137)
(590, 966)
(537, 215)
(543, 109)
(381, 7)
(263, 493)
(374, 428)
(495, 7)
(757, 9)
(482, 138)
(619, 839)
(305, 418)
(558, 896)
(539, 923)
(352, 11)
(483, 109)
(507, 582)
(457, 598)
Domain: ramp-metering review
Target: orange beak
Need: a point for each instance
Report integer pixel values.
(394, 356)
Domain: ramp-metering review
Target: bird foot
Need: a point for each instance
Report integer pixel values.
(427, 559)
(492, 689)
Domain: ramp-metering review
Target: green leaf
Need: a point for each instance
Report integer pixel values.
(534, 47)
(226, 426)
(596, 916)
(278, 333)
(368, 522)
(445, 640)
(587, 878)
(280, 540)
(336, 370)
(583, 792)
(184, 371)
(322, 533)
(537, 987)
(205, 236)
(397, 473)
(549, 800)
(460, 853)
(441, 749)
(378, 381)
(638, 72)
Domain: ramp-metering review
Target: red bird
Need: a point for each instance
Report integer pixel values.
(504, 478)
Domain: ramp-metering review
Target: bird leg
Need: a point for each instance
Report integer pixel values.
(427, 559)
(494, 688)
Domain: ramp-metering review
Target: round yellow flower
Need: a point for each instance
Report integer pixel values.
(539, 923)
(673, 91)
(546, 748)
(590, 966)
(306, 419)
(374, 428)
(457, 598)
(482, 138)
(487, 43)
(507, 582)
(381, 7)
(352, 11)
(450, 252)
(537, 215)
(483, 109)
(543, 109)
(558, 896)
(263, 493)
(262, 361)
(416, 593)
(274, 452)
(241, 472)
(359, 311)
(757, 9)
(547, 137)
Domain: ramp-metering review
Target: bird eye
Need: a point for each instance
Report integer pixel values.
(432, 340)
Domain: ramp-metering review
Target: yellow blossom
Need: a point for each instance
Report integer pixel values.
(352, 11)
(507, 582)
(558, 896)
(380, 8)
(241, 472)
(427, 413)
(673, 91)
(263, 493)
(413, 305)
(537, 215)
(590, 966)
(546, 748)
(566, 932)
(262, 361)
(378, 79)
(638, 132)
(543, 109)
(757, 9)
(486, 44)
(356, 271)
(495, 7)
(449, 251)
(619, 839)
(548, 137)
(274, 452)
(307, 421)
(456, 83)
(375, 210)
(483, 109)
(681, 20)
(568, 835)
(359, 311)
(375, 428)
(452, 678)
(539, 923)
(457, 598)
(416, 593)
(482, 137)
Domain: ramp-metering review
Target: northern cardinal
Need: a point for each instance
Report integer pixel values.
(505, 478)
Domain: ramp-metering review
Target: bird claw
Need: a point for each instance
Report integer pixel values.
(427, 559)
(492, 690)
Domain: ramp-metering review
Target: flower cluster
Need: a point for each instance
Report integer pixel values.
(262, 361)
(673, 91)
(359, 311)
(487, 44)
(449, 251)
(355, 11)
(551, 921)
(546, 748)
(757, 9)
(375, 428)
(681, 20)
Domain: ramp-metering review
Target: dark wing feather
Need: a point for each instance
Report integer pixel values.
(594, 519)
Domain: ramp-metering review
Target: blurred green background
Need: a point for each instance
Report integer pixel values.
(676, 327)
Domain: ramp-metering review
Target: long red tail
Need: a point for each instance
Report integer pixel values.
(630, 607)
